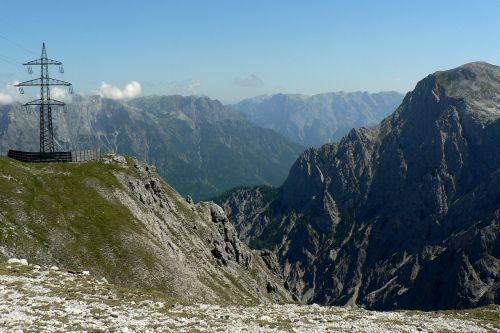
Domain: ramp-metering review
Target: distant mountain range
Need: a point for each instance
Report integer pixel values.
(318, 119)
(405, 214)
(200, 146)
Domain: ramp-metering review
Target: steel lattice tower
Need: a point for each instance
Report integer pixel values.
(45, 103)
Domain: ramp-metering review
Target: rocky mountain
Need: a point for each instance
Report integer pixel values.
(118, 220)
(405, 214)
(198, 145)
(324, 118)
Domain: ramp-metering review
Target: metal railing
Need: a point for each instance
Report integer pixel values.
(85, 155)
(55, 157)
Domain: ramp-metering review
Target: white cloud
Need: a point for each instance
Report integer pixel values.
(10, 93)
(5, 98)
(131, 90)
(60, 94)
(252, 81)
(187, 87)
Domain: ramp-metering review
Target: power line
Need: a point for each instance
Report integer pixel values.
(16, 44)
(10, 60)
(7, 61)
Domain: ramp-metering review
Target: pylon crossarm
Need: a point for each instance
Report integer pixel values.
(38, 82)
(45, 102)
(42, 62)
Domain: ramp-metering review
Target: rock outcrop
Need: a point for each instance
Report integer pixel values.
(402, 215)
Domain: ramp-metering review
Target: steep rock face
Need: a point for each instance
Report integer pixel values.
(119, 220)
(318, 119)
(402, 215)
(246, 207)
(198, 145)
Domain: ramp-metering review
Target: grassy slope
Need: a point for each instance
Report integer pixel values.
(54, 206)
(69, 215)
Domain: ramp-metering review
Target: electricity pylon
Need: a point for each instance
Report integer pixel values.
(45, 103)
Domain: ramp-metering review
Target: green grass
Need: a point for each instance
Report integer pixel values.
(58, 207)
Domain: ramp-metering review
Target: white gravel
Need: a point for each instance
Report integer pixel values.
(34, 299)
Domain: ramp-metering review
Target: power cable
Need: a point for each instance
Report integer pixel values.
(10, 61)
(17, 44)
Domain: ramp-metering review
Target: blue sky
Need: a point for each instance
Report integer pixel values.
(231, 50)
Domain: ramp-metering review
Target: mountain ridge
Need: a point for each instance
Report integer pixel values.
(405, 214)
(197, 144)
(321, 118)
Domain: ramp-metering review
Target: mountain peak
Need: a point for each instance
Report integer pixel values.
(470, 72)
(478, 83)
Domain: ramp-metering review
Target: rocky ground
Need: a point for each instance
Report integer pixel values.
(49, 299)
